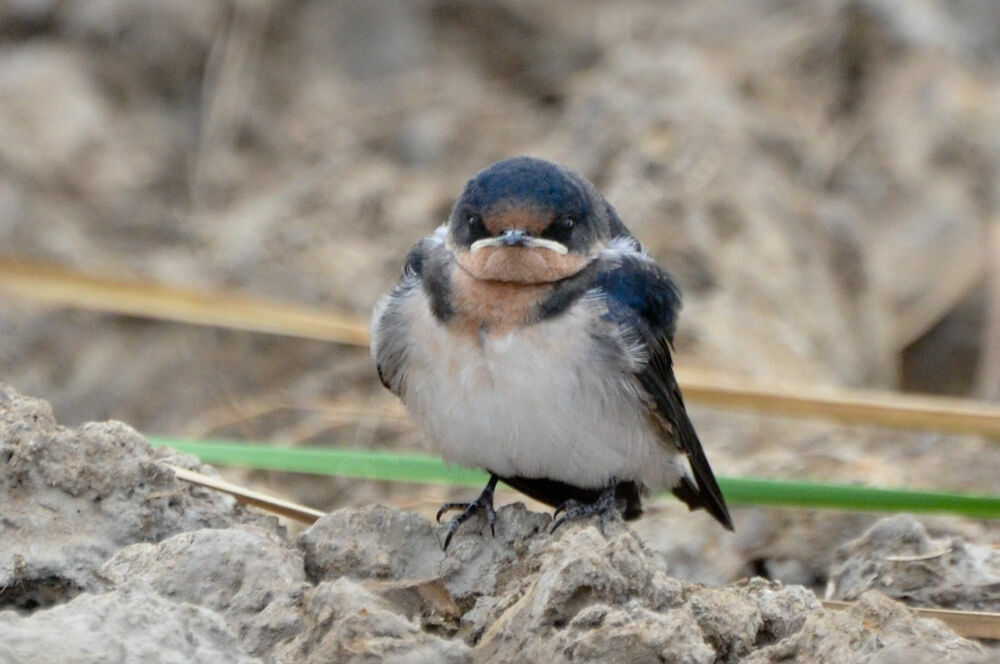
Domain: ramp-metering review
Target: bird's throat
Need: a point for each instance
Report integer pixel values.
(496, 307)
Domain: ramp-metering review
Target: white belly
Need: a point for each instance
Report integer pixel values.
(534, 402)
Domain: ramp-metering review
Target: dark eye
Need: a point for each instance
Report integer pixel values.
(561, 228)
(475, 228)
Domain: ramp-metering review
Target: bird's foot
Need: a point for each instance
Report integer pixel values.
(605, 505)
(484, 502)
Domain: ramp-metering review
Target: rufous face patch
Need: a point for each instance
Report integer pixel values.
(516, 217)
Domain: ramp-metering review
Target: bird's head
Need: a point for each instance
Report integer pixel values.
(526, 220)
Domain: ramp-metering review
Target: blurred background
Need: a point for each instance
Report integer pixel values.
(820, 176)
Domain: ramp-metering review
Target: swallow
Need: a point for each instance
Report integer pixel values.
(531, 336)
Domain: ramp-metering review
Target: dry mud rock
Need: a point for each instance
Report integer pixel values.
(126, 625)
(898, 557)
(106, 556)
(69, 499)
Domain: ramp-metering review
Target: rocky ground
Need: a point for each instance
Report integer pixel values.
(106, 555)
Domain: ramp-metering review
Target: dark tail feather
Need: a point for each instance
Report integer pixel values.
(706, 493)
(689, 494)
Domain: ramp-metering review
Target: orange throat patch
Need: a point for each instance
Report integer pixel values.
(493, 306)
(497, 289)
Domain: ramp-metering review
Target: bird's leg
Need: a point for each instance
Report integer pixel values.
(605, 505)
(484, 502)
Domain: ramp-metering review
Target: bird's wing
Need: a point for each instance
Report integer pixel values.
(643, 302)
(390, 327)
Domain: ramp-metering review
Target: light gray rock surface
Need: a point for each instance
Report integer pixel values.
(898, 557)
(250, 577)
(72, 498)
(876, 630)
(348, 623)
(140, 568)
(129, 625)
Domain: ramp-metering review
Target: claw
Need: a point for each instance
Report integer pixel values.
(484, 502)
(570, 504)
(447, 507)
(605, 506)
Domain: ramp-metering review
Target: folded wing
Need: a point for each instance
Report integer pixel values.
(644, 302)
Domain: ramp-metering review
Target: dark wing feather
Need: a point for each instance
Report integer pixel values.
(642, 298)
(390, 329)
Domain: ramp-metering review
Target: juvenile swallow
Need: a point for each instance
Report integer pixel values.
(531, 336)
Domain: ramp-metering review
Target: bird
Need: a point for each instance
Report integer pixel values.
(531, 336)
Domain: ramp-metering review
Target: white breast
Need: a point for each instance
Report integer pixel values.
(538, 401)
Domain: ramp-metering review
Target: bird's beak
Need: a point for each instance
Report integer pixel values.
(513, 238)
(518, 238)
